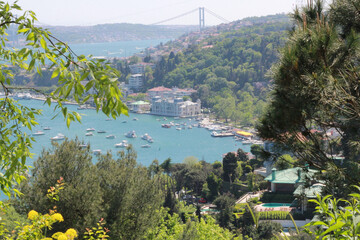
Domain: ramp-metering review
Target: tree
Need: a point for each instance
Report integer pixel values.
(229, 167)
(225, 203)
(80, 201)
(213, 183)
(316, 89)
(43, 50)
(285, 161)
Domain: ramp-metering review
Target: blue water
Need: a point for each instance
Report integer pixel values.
(168, 142)
(272, 205)
(114, 49)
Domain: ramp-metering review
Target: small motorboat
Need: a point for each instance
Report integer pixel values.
(101, 131)
(96, 151)
(146, 146)
(58, 137)
(123, 144)
(135, 119)
(38, 133)
(110, 136)
(90, 129)
(89, 134)
(131, 134)
(46, 128)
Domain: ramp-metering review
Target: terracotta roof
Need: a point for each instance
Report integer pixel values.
(160, 89)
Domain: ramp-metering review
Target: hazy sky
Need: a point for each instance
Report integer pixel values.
(91, 12)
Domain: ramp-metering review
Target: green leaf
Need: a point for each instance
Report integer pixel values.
(23, 30)
(55, 73)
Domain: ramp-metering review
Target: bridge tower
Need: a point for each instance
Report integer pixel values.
(201, 18)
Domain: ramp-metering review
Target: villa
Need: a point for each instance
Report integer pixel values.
(175, 107)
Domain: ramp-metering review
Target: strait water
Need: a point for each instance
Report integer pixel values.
(168, 142)
(115, 49)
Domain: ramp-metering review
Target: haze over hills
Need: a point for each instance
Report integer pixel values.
(118, 32)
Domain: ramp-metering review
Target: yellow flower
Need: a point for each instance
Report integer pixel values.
(57, 217)
(46, 239)
(71, 233)
(32, 215)
(57, 235)
(62, 237)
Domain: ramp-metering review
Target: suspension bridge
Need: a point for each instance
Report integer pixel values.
(201, 11)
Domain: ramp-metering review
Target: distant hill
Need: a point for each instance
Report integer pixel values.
(118, 32)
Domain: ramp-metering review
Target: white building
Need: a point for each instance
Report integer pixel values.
(175, 107)
(139, 68)
(174, 92)
(136, 81)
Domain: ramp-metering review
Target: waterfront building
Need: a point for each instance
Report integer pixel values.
(140, 106)
(175, 107)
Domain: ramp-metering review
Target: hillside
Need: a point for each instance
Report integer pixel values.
(227, 64)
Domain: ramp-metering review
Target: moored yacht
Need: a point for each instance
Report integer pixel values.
(131, 134)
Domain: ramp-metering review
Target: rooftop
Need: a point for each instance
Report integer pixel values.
(290, 176)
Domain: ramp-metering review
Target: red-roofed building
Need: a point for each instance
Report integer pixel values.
(161, 91)
(164, 92)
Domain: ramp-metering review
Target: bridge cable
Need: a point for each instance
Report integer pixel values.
(181, 15)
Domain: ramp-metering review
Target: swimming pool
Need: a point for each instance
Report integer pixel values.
(274, 205)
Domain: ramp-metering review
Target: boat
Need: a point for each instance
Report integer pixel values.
(38, 133)
(108, 119)
(135, 119)
(247, 142)
(46, 128)
(189, 127)
(83, 145)
(150, 140)
(123, 144)
(178, 128)
(110, 136)
(89, 134)
(101, 131)
(166, 125)
(97, 151)
(165, 119)
(145, 136)
(131, 134)
(124, 121)
(82, 107)
(90, 129)
(58, 137)
(146, 146)
(222, 134)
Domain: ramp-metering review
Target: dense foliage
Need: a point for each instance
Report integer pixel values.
(227, 69)
(314, 109)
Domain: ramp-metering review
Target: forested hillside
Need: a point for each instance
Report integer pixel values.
(228, 67)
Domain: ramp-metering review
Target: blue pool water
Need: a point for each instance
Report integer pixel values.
(273, 205)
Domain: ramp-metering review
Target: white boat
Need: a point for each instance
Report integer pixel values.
(110, 136)
(101, 131)
(189, 127)
(58, 137)
(146, 146)
(150, 140)
(90, 129)
(178, 128)
(123, 144)
(97, 151)
(38, 133)
(135, 119)
(131, 134)
(83, 145)
(89, 134)
(46, 128)
(247, 142)
(146, 137)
